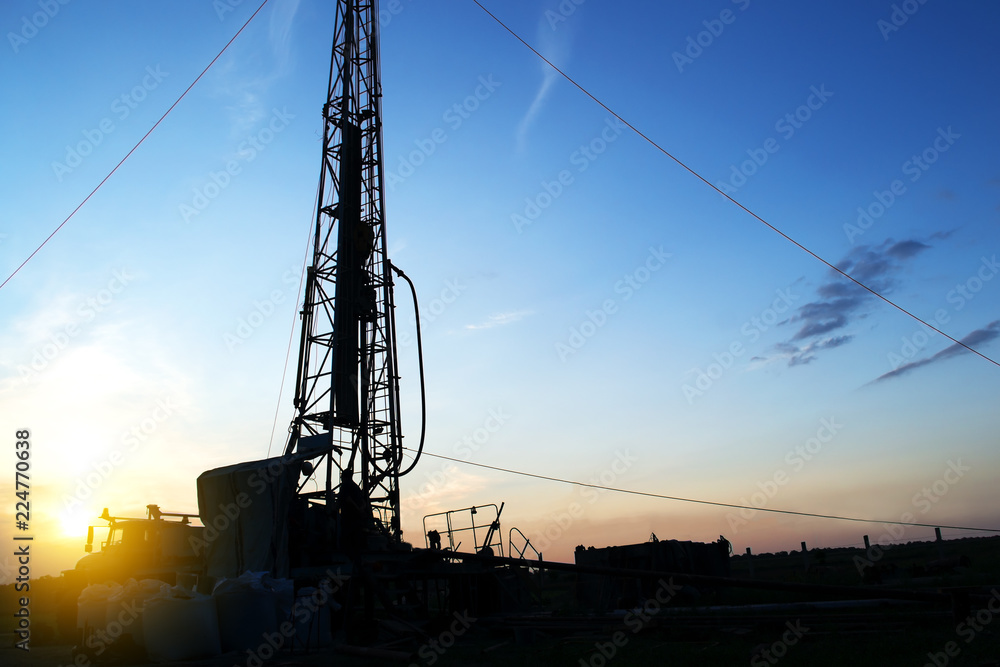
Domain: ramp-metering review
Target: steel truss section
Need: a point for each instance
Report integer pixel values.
(347, 391)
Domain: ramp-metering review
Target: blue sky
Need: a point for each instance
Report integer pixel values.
(591, 310)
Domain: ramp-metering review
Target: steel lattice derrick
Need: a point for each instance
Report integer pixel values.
(347, 392)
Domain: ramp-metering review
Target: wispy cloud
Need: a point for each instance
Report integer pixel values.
(840, 303)
(548, 79)
(807, 354)
(244, 78)
(500, 319)
(799, 355)
(974, 339)
(457, 486)
(280, 31)
(940, 236)
(555, 47)
(907, 249)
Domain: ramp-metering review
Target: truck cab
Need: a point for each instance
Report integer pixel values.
(158, 547)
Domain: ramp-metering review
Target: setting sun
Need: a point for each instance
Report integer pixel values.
(73, 522)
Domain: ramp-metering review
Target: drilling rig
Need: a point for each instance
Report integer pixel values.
(347, 391)
(345, 433)
(344, 441)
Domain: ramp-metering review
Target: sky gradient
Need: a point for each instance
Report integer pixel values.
(591, 310)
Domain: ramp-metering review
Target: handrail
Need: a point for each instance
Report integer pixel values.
(450, 530)
(527, 544)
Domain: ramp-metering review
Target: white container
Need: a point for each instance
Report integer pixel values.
(252, 608)
(92, 605)
(312, 621)
(126, 607)
(245, 617)
(180, 628)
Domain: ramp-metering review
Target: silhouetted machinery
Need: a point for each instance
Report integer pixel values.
(346, 432)
(160, 546)
(328, 507)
